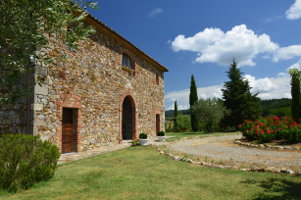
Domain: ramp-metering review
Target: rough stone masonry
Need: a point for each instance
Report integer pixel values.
(93, 83)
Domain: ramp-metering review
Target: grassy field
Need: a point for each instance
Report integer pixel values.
(180, 135)
(142, 173)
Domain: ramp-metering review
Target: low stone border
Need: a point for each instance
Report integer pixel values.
(264, 146)
(220, 166)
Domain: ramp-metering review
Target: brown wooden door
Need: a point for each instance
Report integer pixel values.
(157, 123)
(69, 135)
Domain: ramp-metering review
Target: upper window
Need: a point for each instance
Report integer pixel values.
(126, 61)
(157, 79)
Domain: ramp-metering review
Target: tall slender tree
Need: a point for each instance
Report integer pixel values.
(237, 98)
(193, 99)
(295, 91)
(175, 115)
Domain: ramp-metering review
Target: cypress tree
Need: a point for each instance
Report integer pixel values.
(176, 113)
(193, 98)
(295, 91)
(237, 98)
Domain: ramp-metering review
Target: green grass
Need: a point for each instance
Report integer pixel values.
(141, 173)
(180, 135)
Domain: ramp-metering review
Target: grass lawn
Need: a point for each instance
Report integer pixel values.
(180, 135)
(142, 173)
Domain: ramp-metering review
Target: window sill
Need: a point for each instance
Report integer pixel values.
(130, 71)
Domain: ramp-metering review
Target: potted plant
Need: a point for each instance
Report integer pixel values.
(161, 136)
(135, 142)
(143, 141)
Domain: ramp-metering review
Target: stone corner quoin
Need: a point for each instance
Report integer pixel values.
(89, 98)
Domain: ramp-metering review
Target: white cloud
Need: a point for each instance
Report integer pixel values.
(287, 53)
(155, 12)
(182, 96)
(280, 74)
(272, 19)
(268, 88)
(297, 65)
(213, 45)
(294, 12)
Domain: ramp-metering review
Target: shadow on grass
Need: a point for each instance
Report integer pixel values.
(277, 189)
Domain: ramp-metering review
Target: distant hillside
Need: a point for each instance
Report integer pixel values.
(274, 107)
(278, 107)
(169, 113)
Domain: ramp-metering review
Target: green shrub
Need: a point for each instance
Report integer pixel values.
(292, 135)
(161, 133)
(25, 160)
(184, 123)
(169, 127)
(142, 136)
(270, 129)
(266, 137)
(135, 142)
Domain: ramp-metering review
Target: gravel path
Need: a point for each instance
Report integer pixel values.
(223, 149)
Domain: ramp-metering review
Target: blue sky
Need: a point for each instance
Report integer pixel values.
(201, 37)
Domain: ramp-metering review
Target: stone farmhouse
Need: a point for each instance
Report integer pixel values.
(105, 92)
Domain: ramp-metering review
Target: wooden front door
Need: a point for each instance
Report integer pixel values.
(157, 123)
(69, 133)
(128, 120)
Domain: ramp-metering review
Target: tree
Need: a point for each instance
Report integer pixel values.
(25, 29)
(183, 123)
(276, 107)
(176, 113)
(193, 98)
(238, 99)
(209, 112)
(295, 91)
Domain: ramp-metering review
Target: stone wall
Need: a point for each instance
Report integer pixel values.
(18, 117)
(92, 80)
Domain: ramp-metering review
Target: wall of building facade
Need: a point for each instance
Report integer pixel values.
(18, 117)
(92, 80)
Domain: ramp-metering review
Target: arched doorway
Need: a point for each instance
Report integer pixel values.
(128, 118)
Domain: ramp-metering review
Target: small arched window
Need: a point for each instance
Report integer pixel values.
(126, 61)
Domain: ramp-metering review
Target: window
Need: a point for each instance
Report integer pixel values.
(126, 61)
(157, 79)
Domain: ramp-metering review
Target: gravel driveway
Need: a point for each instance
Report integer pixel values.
(223, 149)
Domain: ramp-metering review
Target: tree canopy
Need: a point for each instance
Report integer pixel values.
(25, 27)
(295, 91)
(209, 113)
(193, 98)
(237, 98)
(176, 113)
